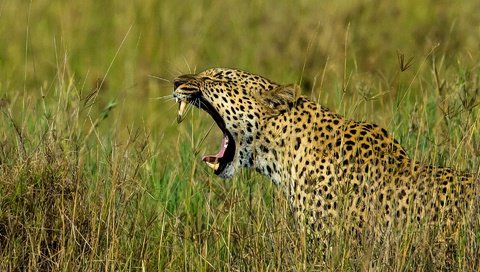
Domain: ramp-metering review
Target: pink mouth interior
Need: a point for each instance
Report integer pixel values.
(215, 158)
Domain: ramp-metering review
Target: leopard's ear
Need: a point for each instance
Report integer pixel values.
(281, 98)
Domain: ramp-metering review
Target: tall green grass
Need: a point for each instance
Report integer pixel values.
(95, 174)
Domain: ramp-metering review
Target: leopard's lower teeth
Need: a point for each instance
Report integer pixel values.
(214, 165)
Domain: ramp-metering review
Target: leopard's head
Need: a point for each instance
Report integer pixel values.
(238, 102)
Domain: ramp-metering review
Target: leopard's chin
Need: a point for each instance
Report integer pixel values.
(227, 172)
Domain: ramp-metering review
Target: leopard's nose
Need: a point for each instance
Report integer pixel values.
(177, 82)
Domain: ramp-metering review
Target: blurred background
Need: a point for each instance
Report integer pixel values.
(122, 48)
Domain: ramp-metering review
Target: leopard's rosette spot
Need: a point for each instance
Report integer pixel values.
(318, 158)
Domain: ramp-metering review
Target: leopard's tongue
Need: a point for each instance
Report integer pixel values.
(213, 160)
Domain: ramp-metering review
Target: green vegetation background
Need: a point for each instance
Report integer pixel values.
(96, 175)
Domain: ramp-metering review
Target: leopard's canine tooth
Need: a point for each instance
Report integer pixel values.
(181, 111)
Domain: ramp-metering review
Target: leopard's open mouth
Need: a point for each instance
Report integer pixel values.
(219, 161)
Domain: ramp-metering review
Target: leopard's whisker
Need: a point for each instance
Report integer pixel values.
(160, 78)
(165, 97)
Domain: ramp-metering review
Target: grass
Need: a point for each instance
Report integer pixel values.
(96, 175)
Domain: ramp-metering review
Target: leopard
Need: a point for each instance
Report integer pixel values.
(327, 166)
